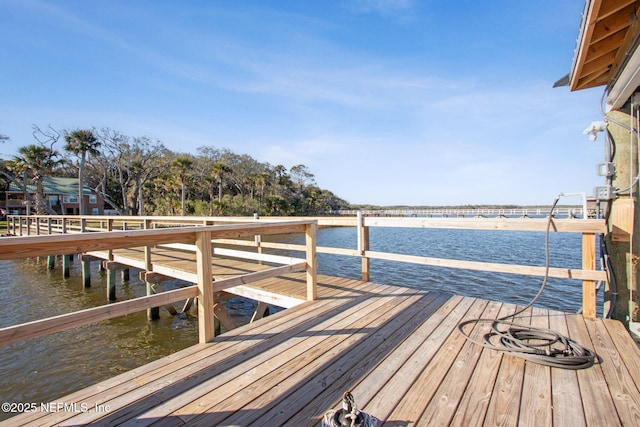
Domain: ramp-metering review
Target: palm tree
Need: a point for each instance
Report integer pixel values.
(80, 142)
(35, 161)
(182, 165)
(219, 171)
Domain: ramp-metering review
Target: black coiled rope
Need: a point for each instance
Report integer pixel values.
(538, 345)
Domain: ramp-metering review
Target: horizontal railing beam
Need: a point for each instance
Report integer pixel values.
(514, 224)
(510, 224)
(32, 246)
(221, 285)
(37, 328)
(560, 273)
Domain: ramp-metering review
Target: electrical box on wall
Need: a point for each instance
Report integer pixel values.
(605, 192)
(606, 169)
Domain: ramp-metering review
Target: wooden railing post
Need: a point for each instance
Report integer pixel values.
(110, 228)
(312, 267)
(363, 246)
(153, 313)
(206, 297)
(111, 277)
(258, 239)
(589, 286)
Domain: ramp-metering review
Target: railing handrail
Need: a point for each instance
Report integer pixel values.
(570, 225)
(589, 228)
(201, 238)
(54, 244)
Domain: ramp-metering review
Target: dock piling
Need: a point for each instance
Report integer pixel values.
(66, 263)
(153, 313)
(86, 274)
(111, 285)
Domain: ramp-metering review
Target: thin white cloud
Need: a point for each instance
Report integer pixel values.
(375, 126)
(382, 7)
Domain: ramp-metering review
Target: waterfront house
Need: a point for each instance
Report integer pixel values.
(61, 195)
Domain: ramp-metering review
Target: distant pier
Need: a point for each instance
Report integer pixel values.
(524, 212)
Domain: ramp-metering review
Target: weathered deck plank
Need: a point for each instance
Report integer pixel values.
(302, 350)
(473, 406)
(414, 402)
(597, 402)
(398, 351)
(535, 406)
(445, 401)
(504, 406)
(566, 399)
(620, 381)
(381, 388)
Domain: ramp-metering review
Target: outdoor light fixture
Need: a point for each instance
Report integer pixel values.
(594, 128)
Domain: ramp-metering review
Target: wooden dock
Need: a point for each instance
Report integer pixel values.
(396, 349)
(172, 263)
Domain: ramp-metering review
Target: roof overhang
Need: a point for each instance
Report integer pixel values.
(606, 47)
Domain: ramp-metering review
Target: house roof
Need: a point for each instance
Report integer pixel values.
(608, 35)
(54, 185)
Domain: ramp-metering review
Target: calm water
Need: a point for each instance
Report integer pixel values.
(46, 368)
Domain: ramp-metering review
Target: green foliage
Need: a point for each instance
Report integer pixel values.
(136, 175)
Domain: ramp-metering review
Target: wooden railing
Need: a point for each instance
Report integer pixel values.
(201, 237)
(589, 228)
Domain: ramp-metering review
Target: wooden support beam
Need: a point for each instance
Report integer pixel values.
(311, 231)
(224, 317)
(589, 286)
(187, 305)
(623, 241)
(153, 313)
(112, 265)
(224, 296)
(261, 311)
(88, 258)
(206, 298)
(363, 247)
(621, 219)
(153, 277)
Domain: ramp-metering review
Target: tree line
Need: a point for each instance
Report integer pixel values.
(141, 176)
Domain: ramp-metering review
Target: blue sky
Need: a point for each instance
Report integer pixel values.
(385, 101)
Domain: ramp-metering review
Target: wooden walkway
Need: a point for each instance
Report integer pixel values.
(181, 264)
(398, 351)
